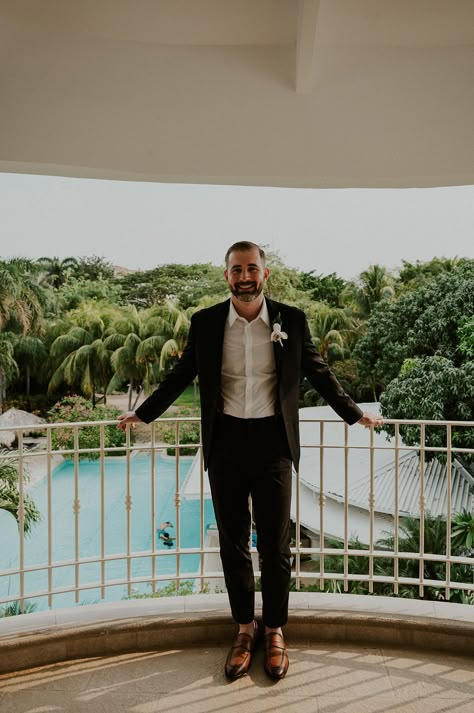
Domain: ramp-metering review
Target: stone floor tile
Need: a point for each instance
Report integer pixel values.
(52, 702)
(328, 678)
(368, 704)
(430, 674)
(67, 676)
(163, 671)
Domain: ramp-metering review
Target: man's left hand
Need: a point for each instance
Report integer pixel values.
(370, 419)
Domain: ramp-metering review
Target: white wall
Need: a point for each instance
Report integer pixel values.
(118, 90)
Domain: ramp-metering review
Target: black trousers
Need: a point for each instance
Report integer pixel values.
(252, 457)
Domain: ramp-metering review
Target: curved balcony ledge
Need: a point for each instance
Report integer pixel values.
(163, 624)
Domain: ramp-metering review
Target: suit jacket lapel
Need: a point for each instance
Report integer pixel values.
(275, 316)
(215, 343)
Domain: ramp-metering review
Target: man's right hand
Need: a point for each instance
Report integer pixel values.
(127, 417)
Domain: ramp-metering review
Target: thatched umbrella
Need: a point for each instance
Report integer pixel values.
(7, 438)
(16, 418)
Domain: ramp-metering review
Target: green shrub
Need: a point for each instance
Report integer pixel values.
(14, 609)
(184, 589)
(76, 409)
(189, 432)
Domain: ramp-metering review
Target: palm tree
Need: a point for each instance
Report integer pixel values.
(462, 532)
(135, 361)
(55, 271)
(81, 356)
(136, 342)
(88, 364)
(174, 324)
(374, 284)
(8, 365)
(20, 296)
(330, 328)
(145, 345)
(16, 608)
(10, 494)
(409, 541)
(30, 355)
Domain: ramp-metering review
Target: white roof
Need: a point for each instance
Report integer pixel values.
(359, 470)
(409, 487)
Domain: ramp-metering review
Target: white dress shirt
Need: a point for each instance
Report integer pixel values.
(248, 376)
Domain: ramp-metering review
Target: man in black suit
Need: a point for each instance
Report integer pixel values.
(250, 354)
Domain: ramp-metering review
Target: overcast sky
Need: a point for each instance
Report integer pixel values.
(141, 225)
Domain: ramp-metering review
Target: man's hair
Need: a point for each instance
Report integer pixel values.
(244, 246)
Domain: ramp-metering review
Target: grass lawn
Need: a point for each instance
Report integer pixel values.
(187, 397)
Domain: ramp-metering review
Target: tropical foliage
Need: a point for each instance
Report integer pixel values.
(409, 539)
(76, 409)
(10, 492)
(373, 286)
(21, 297)
(422, 322)
(70, 326)
(72, 332)
(433, 389)
(189, 431)
(16, 608)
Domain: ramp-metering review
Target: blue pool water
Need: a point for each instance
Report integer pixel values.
(115, 523)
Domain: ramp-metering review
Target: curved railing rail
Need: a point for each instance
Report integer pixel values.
(322, 496)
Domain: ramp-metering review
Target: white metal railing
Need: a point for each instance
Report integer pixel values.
(315, 499)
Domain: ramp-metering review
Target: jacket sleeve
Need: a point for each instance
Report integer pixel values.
(323, 380)
(173, 384)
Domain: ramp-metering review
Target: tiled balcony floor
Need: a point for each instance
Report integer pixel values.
(334, 678)
(348, 654)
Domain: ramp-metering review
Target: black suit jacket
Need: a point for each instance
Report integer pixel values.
(202, 356)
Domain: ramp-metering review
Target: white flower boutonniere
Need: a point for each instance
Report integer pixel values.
(278, 335)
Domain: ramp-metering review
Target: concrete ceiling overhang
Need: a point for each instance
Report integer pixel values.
(315, 93)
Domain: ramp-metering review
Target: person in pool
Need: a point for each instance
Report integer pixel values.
(167, 539)
(163, 526)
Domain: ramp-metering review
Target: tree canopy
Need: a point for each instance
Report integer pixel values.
(184, 284)
(422, 322)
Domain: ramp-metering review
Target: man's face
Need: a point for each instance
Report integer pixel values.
(246, 274)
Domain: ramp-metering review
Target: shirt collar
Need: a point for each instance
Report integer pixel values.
(263, 314)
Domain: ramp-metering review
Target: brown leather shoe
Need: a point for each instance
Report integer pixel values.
(240, 655)
(276, 656)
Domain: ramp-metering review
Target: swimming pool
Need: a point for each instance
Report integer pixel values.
(115, 527)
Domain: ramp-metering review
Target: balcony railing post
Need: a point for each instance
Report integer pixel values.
(297, 533)
(21, 519)
(49, 459)
(76, 508)
(177, 501)
(128, 508)
(422, 509)
(153, 506)
(396, 511)
(448, 511)
(346, 507)
(371, 512)
(102, 511)
(321, 505)
(201, 512)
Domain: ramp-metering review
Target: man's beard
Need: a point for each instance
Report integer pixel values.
(248, 295)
